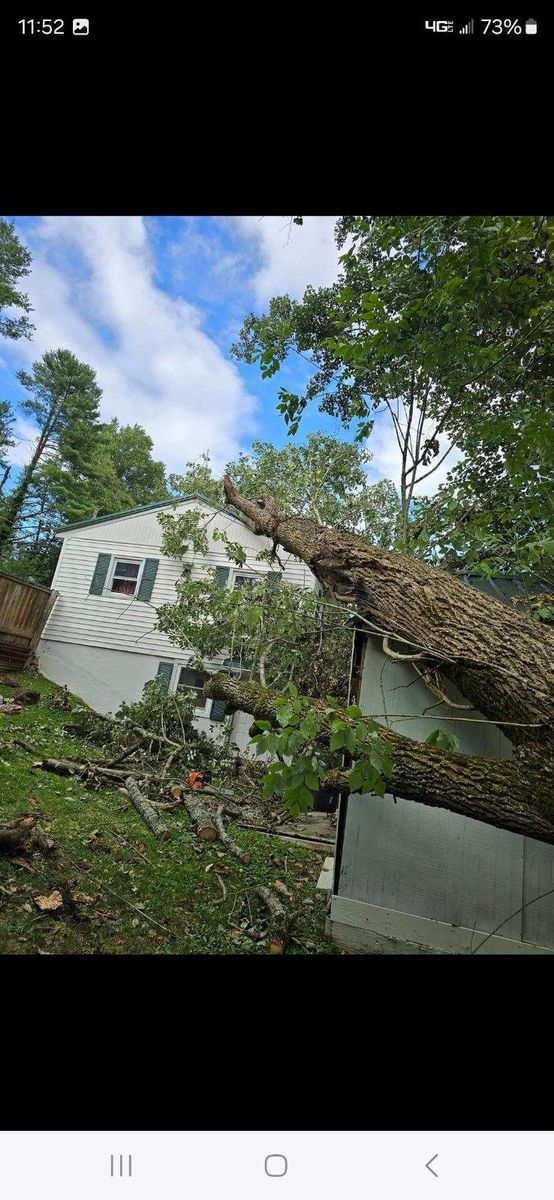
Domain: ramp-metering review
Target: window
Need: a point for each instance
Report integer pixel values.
(243, 580)
(125, 577)
(193, 681)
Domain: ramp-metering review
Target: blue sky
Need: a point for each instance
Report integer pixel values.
(154, 304)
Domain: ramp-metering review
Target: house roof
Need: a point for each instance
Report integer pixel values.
(144, 508)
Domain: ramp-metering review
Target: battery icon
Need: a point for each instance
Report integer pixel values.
(530, 26)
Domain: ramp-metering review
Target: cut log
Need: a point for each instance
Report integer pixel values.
(227, 840)
(279, 921)
(145, 810)
(9, 710)
(204, 822)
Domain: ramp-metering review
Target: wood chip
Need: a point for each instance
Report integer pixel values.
(50, 903)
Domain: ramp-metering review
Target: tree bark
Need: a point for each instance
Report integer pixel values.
(204, 822)
(278, 920)
(227, 840)
(145, 810)
(507, 793)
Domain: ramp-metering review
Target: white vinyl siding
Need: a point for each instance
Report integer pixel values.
(125, 623)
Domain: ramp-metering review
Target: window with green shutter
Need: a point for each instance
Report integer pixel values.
(217, 711)
(100, 574)
(148, 580)
(165, 671)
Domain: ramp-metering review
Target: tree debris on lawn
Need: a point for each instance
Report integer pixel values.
(145, 810)
(23, 836)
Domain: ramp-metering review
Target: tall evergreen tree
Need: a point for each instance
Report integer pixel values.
(61, 393)
(15, 261)
(6, 440)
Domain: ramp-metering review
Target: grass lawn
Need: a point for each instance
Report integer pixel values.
(142, 896)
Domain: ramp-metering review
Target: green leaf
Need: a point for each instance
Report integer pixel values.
(311, 780)
(442, 740)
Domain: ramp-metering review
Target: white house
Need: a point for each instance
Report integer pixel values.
(101, 638)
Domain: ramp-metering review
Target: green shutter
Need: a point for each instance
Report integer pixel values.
(165, 671)
(273, 579)
(148, 579)
(217, 711)
(221, 576)
(100, 572)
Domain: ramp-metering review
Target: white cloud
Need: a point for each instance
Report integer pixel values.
(290, 256)
(93, 290)
(387, 462)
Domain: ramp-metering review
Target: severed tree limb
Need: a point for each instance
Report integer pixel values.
(507, 793)
(145, 810)
(70, 766)
(227, 840)
(126, 753)
(279, 921)
(401, 657)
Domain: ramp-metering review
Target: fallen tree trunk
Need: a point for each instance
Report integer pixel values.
(506, 793)
(145, 810)
(501, 660)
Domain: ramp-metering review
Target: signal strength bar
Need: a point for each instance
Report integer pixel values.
(469, 28)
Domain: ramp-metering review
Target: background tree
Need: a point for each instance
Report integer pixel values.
(325, 479)
(198, 478)
(6, 440)
(15, 262)
(441, 325)
(61, 393)
(93, 469)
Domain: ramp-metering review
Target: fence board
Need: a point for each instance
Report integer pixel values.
(24, 608)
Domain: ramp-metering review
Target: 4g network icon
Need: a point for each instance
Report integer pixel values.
(440, 26)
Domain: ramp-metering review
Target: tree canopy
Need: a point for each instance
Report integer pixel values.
(442, 326)
(15, 262)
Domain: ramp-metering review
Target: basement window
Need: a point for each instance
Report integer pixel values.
(125, 577)
(190, 680)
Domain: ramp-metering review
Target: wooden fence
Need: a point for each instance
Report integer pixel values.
(24, 610)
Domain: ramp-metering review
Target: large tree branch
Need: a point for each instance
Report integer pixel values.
(500, 659)
(500, 792)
